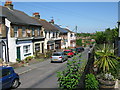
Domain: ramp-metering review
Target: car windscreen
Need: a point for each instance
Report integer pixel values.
(67, 51)
(56, 54)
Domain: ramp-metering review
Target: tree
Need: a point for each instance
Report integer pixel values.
(100, 37)
(79, 42)
(107, 36)
(105, 58)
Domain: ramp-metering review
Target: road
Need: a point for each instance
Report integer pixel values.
(45, 76)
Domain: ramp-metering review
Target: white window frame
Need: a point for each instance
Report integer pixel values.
(15, 31)
(38, 47)
(26, 49)
(23, 31)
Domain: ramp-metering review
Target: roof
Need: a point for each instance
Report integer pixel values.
(68, 30)
(67, 50)
(47, 26)
(60, 29)
(17, 17)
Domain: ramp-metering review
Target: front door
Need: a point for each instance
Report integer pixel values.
(42, 47)
(18, 53)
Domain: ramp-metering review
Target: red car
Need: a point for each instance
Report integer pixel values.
(69, 53)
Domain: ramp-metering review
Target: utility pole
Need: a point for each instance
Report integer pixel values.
(76, 30)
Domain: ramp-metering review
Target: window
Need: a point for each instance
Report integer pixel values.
(56, 34)
(37, 47)
(57, 54)
(5, 72)
(53, 35)
(49, 34)
(38, 31)
(45, 34)
(26, 49)
(71, 35)
(33, 31)
(15, 31)
(23, 31)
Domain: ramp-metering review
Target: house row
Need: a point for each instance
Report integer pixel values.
(22, 35)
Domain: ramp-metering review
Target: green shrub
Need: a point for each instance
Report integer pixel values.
(69, 78)
(27, 59)
(90, 82)
(18, 60)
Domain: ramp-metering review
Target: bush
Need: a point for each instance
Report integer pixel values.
(18, 60)
(27, 59)
(69, 78)
(90, 82)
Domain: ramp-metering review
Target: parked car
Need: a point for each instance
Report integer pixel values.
(74, 51)
(80, 49)
(58, 57)
(69, 53)
(8, 78)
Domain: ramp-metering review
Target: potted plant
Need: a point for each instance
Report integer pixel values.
(106, 80)
(105, 60)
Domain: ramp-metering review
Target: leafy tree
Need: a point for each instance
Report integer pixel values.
(79, 42)
(100, 37)
(107, 36)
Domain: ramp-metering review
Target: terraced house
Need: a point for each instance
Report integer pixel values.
(3, 39)
(63, 35)
(71, 38)
(51, 33)
(23, 33)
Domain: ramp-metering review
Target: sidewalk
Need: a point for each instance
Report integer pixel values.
(28, 68)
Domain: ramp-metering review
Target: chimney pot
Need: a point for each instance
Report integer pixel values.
(9, 4)
(36, 15)
(52, 21)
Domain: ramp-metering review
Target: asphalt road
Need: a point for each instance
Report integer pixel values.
(45, 76)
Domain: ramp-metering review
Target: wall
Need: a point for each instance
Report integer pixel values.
(40, 45)
(11, 43)
(21, 45)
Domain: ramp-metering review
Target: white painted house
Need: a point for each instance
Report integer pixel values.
(3, 39)
(24, 33)
(71, 38)
(52, 39)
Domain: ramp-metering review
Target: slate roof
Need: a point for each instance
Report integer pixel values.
(68, 30)
(47, 26)
(17, 17)
(60, 29)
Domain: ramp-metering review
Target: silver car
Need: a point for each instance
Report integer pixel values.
(58, 57)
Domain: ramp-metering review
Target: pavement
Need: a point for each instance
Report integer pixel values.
(27, 68)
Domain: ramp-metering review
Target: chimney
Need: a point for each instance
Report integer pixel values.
(52, 21)
(9, 4)
(36, 15)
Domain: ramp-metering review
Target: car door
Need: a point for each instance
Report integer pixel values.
(6, 78)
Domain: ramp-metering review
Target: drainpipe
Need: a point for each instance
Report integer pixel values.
(7, 43)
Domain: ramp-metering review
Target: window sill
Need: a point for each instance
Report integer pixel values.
(27, 54)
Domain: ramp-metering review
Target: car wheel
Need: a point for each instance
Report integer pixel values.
(51, 61)
(61, 61)
(15, 83)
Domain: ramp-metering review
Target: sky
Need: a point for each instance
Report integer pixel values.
(87, 16)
